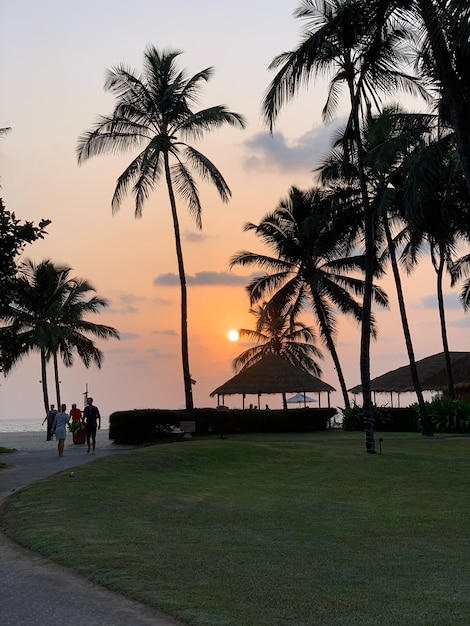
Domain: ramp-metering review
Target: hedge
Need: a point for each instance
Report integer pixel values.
(154, 425)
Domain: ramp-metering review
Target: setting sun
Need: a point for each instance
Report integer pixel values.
(233, 335)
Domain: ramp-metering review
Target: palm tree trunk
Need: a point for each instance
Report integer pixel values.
(184, 301)
(370, 266)
(364, 361)
(331, 347)
(445, 344)
(284, 401)
(45, 395)
(56, 380)
(425, 422)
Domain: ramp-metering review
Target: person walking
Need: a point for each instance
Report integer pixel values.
(60, 427)
(92, 417)
(50, 417)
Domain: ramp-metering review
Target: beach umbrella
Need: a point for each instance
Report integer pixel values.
(300, 397)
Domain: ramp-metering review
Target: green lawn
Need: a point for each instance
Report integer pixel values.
(267, 530)
(5, 451)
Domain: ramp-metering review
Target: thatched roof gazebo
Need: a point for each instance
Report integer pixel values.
(432, 374)
(272, 375)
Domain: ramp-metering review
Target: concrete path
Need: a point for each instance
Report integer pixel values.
(35, 591)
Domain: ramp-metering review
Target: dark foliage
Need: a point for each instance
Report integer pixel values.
(449, 416)
(154, 425)
(14, 236)
(386, 419)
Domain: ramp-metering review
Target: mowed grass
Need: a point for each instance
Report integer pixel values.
(275, 530)
(4, 451)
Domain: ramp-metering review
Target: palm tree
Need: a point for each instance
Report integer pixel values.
(312, 265)
(340, 38)
(277, 332)
(436, 221)
(47, 314)
(388, 139)
(445, 55)
(153, 113)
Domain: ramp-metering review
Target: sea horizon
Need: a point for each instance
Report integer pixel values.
(28, 424)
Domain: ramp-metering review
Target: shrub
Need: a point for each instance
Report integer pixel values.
(449, 416)
(76, 426)
(386, 419)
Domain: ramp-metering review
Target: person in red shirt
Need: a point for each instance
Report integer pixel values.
(75, 413)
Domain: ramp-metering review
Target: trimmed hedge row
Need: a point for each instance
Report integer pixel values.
(153, 425)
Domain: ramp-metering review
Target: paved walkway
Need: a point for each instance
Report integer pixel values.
(34, 590)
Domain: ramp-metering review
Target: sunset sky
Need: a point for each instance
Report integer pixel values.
(53, 57)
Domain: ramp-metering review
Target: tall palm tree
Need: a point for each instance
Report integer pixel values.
(388, 138)
(312, 265)
(154, 114)
(277, 332)
(47, 314)
(341, 40)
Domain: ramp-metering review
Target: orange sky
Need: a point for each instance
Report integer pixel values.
(53, 58)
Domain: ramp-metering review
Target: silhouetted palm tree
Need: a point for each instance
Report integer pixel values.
(47, 314)
(436, 207)
(312, 265)
(277, 332)
(389, 138)
(444, 53)
(340, 40)
(154, 114)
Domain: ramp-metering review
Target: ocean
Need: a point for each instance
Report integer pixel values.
(30, 425)
(21, 425)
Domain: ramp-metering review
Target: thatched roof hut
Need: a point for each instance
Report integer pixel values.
(272, 374)
(432, 373)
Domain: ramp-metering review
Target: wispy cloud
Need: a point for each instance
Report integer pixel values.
(156, 353)
(463, 322)
(267, 151)
(451, 301)
(195, 237)
(127, 303)
(129, 336)
(204, 278)
(120, 351)
(168, 332)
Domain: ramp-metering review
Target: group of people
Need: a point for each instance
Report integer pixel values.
(57, 422)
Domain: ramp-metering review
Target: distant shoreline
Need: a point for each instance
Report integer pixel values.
(29, 425)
